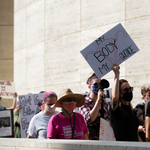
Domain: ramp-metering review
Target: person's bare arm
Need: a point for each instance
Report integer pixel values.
(115, 87)
(141, 128)
(28, 137)
(94, 112)
(14, 102)
(85, 136)
(139, 138)
(147, 129)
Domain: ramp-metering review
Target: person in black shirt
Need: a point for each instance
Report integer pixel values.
(148, 122)
(122, 117)
(140, 110)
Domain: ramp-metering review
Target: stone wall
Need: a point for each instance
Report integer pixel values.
(6, 43)
(49, 35)
(35, 144)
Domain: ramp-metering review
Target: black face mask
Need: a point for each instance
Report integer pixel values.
(128, 96)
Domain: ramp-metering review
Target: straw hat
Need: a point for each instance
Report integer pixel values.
(67, 93)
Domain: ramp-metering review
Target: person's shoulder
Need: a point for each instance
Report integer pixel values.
(140, 106)
(41, 113)
(87, 99)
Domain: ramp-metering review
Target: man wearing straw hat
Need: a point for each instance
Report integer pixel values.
(68, 124)
(92, 110)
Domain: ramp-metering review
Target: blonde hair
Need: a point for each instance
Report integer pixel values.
(144, 89)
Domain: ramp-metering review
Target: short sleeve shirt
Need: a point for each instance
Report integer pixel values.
(59, 127)
(38, 125)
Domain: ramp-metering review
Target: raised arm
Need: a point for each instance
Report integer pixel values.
(115, 87)
(97, 107)
(14, 102)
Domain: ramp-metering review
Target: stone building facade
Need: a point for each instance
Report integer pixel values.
(49, 35)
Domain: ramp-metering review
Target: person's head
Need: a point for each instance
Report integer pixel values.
(93, 83)
(145, 91)
(68, 101)
(50, 98)
(125, 90)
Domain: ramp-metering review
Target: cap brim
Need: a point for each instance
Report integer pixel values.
(80, 100)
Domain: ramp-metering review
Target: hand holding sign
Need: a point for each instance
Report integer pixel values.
(116, 68)
(114, 47)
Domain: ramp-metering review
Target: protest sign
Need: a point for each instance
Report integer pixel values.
(6, 123)
(7, 89)
(30, 107)
(114, 47)
(106, 131)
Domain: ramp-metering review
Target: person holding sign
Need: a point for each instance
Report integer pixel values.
(68, 124)
(122, 116)
(91, 110)
(38, 124)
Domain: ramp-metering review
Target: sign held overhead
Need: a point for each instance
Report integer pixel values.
(113, 47)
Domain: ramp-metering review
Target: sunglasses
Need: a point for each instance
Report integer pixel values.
(70, 100)
(96, 84)
(127, 90)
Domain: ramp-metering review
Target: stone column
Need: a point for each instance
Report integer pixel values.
(6, 43)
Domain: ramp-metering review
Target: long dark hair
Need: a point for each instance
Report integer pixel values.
(121, 81)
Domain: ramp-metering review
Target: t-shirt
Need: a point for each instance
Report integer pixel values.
(38, 125)
(59, 127)
(148, 109)
(125, 123)
(140, 112)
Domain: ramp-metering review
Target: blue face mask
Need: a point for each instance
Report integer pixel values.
(95, 89)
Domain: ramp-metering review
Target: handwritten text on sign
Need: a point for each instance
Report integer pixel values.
(30, 107)
(114, 47)
(106, 131)
(7, 89)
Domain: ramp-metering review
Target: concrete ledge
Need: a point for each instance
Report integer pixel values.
(35, 144)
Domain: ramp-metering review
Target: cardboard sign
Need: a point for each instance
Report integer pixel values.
(7, 89)
(114, 47)
(30, 107)
(6, 123)
(106, 131)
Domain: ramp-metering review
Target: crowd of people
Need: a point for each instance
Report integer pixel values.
(128, 123)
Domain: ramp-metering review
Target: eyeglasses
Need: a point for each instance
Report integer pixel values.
(70, 100)
(127, 90)
(96, 84)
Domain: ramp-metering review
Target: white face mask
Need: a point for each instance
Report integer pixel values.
(49, 108)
